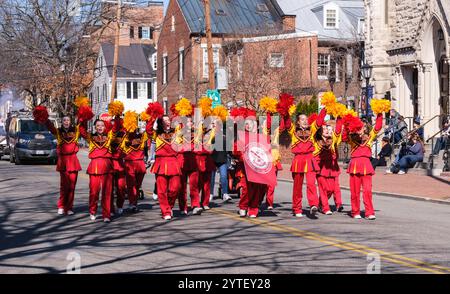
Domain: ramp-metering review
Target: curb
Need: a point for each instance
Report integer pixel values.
(386, 194)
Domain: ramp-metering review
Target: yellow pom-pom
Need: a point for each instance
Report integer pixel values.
(351, 112)
(276, 155)
(328, 98)
(116, 108)
(130, 121)
(268, 104)
(292, 110)
(184, 107)
(380, 105)
(81, 101)
(145, 116)
(205, 104)
(221, 112)
(336, 109)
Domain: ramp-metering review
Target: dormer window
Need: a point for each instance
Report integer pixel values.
(173, 24)
(331, 16)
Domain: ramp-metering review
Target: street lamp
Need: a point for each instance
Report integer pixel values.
(366, 71)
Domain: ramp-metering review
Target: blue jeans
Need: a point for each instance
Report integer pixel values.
(440, 145)
(409, 160)
(223, 171)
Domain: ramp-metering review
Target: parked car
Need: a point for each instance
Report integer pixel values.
(30, 141)
(2, 146)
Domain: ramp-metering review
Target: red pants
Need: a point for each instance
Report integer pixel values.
(311, 191)
(67, 190)
(97, 183)
(270, 193)
(204, 184)
(327, 187)
(193, 190)
(243, 200)
(119, 186)
(355, 190)
(255, 197)
(337, 193)
(134, 184)
(168, 189)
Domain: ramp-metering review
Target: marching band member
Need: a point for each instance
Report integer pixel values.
(68, 164)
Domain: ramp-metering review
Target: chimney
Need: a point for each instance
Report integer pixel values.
(289, 23)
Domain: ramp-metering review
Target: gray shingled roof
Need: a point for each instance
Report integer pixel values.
(133, 60)
(233, 16)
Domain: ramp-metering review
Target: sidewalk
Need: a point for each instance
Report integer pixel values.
(407, 186)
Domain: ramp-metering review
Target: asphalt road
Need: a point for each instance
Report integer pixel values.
(408, 236)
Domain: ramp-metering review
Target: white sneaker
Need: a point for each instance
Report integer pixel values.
(252, 216)
(357, 216)
(184, 213)
(155, 197)
(328, 212)
(167, 217)
(70, 212)
(211, 197)
(197, 211)
(371, 217)
(401, 172)
(226, 198)
(299, 215)
(93, 217)
(313, 210)
(119, 211)
(106, 220)
(388, 171)
(206, 207)
(242, 212)
(60, 211)
(270, 208)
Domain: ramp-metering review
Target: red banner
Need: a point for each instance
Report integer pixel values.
(257, 156)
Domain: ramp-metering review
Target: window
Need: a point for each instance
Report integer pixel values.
(142, 90)
(97, 95)
(154, 61)
(135, 90)
(165, 103)
(361, 27)
(331, 16)
(132, 32)
(229, 70)
(104, 94)
(146, 33)
(121, 90)
(205, 60)
(276, 60)
(323, 66)
(181, 64)
(149, 91)
(128, 90)
(165, 73)
(172, 29)
(239, 63)
(140, 32)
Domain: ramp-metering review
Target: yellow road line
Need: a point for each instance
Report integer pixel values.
(391, 257)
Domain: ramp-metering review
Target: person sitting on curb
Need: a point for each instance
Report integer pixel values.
(410, 153)
(385, 152)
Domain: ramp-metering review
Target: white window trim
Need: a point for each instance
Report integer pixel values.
(154, 61)
(165, 105)
(180, 63)
(164, 65)
(326, 8)
(216, 57)
(240, 58)
(322, 77)
(147, 29)
(172, 28)
(272, 64)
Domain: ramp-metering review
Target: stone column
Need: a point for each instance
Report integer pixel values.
(421, 89)
(428, 98)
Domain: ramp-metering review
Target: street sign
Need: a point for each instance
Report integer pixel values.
(215, 97)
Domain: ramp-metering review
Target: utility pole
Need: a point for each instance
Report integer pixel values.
(209, 45)
(116, 50)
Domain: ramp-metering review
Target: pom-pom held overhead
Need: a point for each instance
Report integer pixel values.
(130, 121)
(85, 113)
(268, 104)
(145, 116)
(184, 107)
(352, 124)
(155, 110)
(81, 101)
(336, 109)
(173, 110)
(286, 101)
(312, 118)
(380, 105)
(351, 112)
(328, 98)
(205, 104)
(292, 109)
(116, 108)
(243, 112)
(221, 112)
(40, 114)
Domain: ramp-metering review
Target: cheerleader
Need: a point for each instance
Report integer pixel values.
(304, 166)
(68, 164)
(326, 142)
(361, 137)
(276, 161)
(166, 167)
(100, 168)
(119, 179)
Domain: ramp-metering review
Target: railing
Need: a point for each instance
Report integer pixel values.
(446, 155)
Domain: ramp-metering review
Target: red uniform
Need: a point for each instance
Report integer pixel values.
(119, 180)
(189, 170)
(100, 170)
(167, 169)
(326, 156)
(68, 164)
(361, 170)
(304, 164)
(205, 164)
(133, 147)
(277, 163)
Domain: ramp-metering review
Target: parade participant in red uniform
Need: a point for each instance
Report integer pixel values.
(276, 161)
(100, 168)
(68, 164)
(133, 147)
(303, 165)
(326, 142)
(166, 167)
(360, 137)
